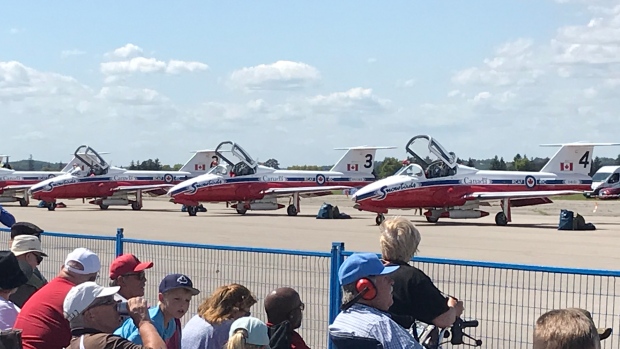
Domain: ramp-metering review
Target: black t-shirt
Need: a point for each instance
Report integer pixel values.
(415, 296)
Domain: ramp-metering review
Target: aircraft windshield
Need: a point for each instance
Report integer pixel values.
(220, 170)
(600, 176)
(411, 171)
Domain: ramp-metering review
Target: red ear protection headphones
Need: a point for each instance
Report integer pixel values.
(366, 288)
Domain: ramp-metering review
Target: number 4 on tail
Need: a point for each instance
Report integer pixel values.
(584, 159)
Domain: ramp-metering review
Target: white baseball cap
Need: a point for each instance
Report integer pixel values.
(23, 244)
(82, 296)
(89, 260)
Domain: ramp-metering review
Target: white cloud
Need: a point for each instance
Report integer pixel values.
(14, 31)
(357, 100)
(281, 75)
(129, 59)
(127, 95)
(126, 52)
(73, 52)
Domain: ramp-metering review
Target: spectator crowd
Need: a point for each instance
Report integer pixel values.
(382, 299)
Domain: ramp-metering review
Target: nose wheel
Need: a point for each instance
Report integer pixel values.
(380, 218)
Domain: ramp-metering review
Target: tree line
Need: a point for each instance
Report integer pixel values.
(385, 168)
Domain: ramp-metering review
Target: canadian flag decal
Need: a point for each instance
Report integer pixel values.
(566, 166)
(351, 167)
(200, 167)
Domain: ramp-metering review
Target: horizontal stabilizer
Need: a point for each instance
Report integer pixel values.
(580, 144)
(519, 194)
(366, 147)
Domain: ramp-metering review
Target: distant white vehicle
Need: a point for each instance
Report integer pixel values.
(605, 183)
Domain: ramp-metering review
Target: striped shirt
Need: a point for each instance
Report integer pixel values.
(364, 321)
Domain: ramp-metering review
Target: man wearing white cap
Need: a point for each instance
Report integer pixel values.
(93, 315)
(41, 318)
(27, 248)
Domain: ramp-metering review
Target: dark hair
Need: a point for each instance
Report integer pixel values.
(25, 228)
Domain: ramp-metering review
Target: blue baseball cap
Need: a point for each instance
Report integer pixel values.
(257, 332)
(360, 265)
(173, 281)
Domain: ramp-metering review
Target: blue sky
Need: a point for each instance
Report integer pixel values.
(293, 80)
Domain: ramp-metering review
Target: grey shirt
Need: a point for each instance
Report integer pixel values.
(199, 334)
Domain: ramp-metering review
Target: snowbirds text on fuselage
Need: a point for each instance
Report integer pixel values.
(251, 186)
(450, 190)
(92, 177)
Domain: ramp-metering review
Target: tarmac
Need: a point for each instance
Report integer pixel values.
(531, 238)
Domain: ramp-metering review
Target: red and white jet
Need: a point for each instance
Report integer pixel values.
(449, 190)
(252, 186)
(92, 177)
(14, 185)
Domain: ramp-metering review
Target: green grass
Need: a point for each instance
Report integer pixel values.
(574, 197)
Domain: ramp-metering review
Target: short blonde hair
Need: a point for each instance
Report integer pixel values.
(565, 329)
(399, 239)
(225, 300)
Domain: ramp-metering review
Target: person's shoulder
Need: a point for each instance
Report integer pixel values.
(107, 340)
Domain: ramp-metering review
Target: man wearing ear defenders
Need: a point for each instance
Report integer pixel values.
(366, 298)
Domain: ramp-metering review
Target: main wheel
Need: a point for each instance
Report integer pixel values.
(379, 219)
(241, 210)
(51, 206)
(501, 219)
(23, 202)
(432, 219)
(291, 210)
(135, 206)
(103, 207)
(191, 210)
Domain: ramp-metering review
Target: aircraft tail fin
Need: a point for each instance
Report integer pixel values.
(199, 162)
(572, 157)
(357, 159)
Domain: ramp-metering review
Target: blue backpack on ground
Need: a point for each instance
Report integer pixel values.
(325, 212)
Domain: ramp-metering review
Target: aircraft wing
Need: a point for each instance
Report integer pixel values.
(155, 189)
(17, 187)
(306, 191)
(519, 194)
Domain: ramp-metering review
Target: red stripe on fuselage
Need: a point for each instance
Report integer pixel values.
(450, 195)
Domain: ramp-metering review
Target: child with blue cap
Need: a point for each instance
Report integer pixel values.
(248, 333)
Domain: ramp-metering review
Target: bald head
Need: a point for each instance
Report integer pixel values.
(284, 304)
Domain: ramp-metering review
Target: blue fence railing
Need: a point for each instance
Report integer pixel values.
(505, 298)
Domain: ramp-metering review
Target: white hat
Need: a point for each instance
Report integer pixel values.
(23, 244)
(88, 259)
(82, 296)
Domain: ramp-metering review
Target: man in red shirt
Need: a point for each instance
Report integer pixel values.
(41, 318)
(284, 314)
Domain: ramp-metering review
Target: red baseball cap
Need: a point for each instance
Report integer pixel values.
(127, 263)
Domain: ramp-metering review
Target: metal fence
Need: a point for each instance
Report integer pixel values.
(505, 298)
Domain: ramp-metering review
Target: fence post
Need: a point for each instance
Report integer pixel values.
(119, 241)
(334, 283)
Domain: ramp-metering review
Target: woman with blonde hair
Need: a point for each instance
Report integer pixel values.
(248, 333)
(209, 328)
(414, 294)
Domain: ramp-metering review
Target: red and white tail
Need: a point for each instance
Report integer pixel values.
(357, 159)
(572, 158)
(200, 162)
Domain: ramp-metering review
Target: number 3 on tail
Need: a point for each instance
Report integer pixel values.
(584, 159)
(368, 163)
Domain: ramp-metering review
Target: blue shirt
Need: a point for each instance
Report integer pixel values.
(6, 218)
(364, 321)
(129, 331)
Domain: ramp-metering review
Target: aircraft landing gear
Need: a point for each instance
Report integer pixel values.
(192, 210)
(103, 207)
(51, 206)
(291, 210)
(23, 202)
(379, 219)
(501, 219)
(432, 219)
(136, 206)
(241, 211)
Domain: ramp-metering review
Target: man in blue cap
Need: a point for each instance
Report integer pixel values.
(366, 298)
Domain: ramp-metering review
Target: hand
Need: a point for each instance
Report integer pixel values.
(457, 305)
(138, 309)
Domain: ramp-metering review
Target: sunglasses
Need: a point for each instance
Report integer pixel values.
(140, 276)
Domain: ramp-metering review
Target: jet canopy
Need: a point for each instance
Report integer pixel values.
(240, 161)
(412, 170)
(432, 157)
(4, 162)
(92, 160)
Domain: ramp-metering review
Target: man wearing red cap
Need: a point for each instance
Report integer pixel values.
(127, 272)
